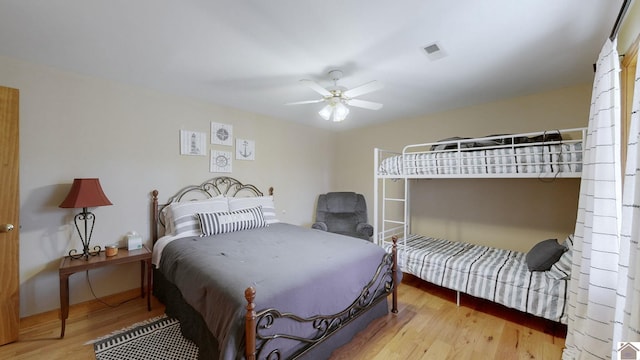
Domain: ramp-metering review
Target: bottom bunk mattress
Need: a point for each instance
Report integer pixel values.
(498, 275)
(293, 269)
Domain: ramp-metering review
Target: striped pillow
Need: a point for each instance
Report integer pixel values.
(568, 242)
(182, 218)
(561, 269)
(230, 221)
(268, 208)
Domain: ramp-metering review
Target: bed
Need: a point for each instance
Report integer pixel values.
(244, 285)
(499, 275)
(555, 153)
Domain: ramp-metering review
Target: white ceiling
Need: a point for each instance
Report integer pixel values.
(250, 54)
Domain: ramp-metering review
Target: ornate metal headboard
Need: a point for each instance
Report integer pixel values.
(222, 185)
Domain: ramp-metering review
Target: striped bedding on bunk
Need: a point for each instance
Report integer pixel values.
(494, 274)
(552, 158)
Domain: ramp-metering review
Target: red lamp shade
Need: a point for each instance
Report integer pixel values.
(85, 193)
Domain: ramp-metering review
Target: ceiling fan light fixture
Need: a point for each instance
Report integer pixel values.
(338, 99)
(340, 112)
(326, 111)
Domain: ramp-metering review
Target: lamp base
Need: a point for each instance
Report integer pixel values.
(74, 254)
(89, 220)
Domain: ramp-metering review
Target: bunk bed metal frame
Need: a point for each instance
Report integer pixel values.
(465, 155)
(458, 151)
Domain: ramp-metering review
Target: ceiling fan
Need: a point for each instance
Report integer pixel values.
(338, 97)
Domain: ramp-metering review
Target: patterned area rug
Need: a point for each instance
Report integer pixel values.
(157, 338)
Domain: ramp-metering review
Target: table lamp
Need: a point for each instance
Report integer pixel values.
(85, 193)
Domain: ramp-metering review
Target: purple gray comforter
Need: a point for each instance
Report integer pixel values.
(293, 269)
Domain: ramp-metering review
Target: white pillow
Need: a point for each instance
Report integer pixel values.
(182, 214)
(165, 218)
(268, 207)
(230, 221)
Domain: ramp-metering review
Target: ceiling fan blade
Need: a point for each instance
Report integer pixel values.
(316, 87)
(364, 104)
(363, 89)
(305, 102)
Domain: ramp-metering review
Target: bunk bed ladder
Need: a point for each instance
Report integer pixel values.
(383, 224)
(390, 223)
(387, 200)
(387, 226)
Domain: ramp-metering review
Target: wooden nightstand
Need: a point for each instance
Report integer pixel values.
(70, 266)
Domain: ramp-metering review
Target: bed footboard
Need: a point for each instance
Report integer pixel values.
(257, 325)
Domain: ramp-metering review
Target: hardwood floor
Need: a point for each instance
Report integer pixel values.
(428, 325)
(40, 334)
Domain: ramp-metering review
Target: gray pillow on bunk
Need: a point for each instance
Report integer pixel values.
(544, 254)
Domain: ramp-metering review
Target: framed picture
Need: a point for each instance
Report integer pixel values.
(220, 161)
(245, 149)
(193, 143)
(221, 134)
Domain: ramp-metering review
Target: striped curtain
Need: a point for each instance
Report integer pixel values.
(627, 321)
(594, 274)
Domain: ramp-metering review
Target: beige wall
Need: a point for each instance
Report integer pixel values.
(75, 126)
(512, 214)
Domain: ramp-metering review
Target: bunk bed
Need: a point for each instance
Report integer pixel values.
(223, 266)
(506, 277)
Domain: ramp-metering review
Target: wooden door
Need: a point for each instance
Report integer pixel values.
(9, 212)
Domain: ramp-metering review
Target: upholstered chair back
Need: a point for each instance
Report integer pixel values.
(343, 213)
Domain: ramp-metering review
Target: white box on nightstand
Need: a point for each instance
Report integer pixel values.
(134, 241)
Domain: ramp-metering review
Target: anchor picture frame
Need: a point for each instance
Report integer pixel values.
(245, 149)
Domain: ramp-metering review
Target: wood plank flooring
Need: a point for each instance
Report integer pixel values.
(428, 325)
(40, 334)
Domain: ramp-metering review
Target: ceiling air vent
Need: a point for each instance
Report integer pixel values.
(434, 51)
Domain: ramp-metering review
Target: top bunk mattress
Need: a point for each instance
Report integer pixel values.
(490, 157)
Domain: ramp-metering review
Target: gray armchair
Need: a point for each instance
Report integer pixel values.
(343, 213)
